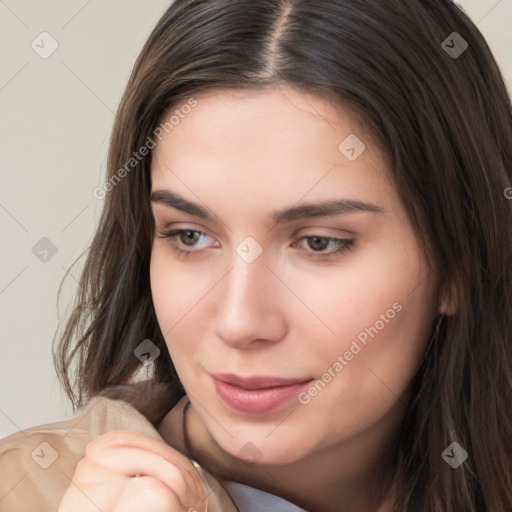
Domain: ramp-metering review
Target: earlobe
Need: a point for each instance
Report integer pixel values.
(449, 305)
(444, 309)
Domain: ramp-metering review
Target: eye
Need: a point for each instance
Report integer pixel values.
(187, 237)
(190, 237)
(319, 243)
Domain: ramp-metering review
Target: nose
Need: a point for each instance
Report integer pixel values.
(250, 307)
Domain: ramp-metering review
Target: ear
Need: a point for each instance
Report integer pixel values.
(450, 303)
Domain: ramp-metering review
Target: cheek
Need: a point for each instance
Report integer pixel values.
(365, 289)
(170, 288)
(162, 290)
(372, 377)
(177, 302)
(381, 319)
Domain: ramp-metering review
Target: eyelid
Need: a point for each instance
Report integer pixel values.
(341, 233)
(320, 231)
(343, 245)
(172, 226)
(184, 226)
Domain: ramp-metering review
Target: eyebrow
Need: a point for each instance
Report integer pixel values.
(305, 211)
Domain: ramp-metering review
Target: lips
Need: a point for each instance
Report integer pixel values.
(257, 382)
(256, 395)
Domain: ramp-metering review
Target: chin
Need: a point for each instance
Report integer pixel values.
(262, 453)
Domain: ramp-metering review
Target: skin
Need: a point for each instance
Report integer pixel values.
(242, 155)
(104, 479)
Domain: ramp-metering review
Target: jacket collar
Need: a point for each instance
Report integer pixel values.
(152, 400)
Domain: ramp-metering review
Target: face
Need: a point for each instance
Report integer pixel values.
(336, 297)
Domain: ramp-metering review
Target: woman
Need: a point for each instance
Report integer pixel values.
(299, 294)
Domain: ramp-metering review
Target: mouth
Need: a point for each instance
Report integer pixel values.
(257, 394)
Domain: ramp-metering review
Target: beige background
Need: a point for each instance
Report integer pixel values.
(56, 119)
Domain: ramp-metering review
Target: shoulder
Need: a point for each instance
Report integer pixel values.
(37, 464)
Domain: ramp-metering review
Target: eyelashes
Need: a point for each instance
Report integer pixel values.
(341, 245)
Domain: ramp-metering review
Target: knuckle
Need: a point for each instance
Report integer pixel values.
(157, 494)
(110, 439)
(81, 468)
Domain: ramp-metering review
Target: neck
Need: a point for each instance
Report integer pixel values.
(350, 477)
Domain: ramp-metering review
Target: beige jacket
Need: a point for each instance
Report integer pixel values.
(37, 464)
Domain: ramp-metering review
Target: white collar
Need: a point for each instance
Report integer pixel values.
(249, 499)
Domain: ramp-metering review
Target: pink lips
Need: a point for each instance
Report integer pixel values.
(256, 395)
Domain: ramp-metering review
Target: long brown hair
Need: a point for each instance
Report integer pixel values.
(436, 104)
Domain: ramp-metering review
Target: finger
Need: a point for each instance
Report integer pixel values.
(95, 488)
(134, 494)
(148, 493)
(128, 438)
(135, 461)
(134, 439)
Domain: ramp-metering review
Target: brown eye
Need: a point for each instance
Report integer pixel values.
(184, 238)
(317, 244)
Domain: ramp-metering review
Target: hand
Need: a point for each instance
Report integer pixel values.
(105, 478)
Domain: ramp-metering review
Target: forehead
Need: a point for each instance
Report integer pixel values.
(261, 142)
(263, 117)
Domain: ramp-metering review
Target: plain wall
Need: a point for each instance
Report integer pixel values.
(57, 113)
